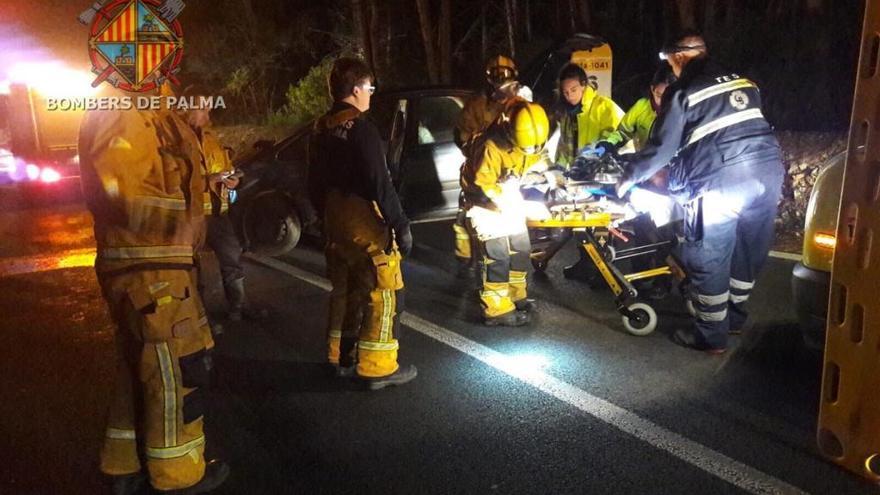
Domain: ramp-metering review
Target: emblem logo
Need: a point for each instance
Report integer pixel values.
(135, 45)
(739, 100)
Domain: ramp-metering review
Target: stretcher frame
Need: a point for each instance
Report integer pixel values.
(639, 318)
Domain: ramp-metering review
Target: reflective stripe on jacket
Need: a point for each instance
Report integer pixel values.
(709, 126)
(142, 180)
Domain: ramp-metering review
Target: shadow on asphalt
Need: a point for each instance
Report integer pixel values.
(256, 378)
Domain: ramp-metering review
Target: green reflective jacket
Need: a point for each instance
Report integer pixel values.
(635, 126)
(598, 119)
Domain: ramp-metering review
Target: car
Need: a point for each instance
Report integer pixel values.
(811, 277)
(416, 125)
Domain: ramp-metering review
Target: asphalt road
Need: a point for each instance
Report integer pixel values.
(571, 404)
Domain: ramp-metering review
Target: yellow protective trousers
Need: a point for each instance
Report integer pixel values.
(464, 237)
(506, 262)
(363, 265)
(163, 366)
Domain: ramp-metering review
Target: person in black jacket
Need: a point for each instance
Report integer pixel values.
(366, 232)
(725, 168)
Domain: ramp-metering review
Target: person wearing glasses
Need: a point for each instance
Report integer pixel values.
(366, 232)
(725, 169)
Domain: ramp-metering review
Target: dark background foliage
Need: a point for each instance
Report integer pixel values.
(803, 53)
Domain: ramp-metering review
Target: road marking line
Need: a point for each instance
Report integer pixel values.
(785, 256)
(432, 220)
(305, 276)
(71, 258)
(715, 463)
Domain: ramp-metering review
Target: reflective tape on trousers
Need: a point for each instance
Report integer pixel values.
(169, 393)
(120, 434)
(712, 315)
(178, 451)
(378, 346)
(741, 285)
(736, 299)
(712, 300)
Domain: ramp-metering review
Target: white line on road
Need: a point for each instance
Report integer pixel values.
(734, 472)
(433, 220)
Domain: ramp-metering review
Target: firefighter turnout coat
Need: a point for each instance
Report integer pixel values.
(143, 183)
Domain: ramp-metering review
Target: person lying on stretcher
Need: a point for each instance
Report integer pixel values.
(650, 216)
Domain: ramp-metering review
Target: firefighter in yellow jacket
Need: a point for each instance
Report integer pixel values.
(365, 229)
(220, 235)
(587, 117)
(479, 112)
(491, 179)
(142, 180)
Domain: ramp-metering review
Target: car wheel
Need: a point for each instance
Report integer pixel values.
(271, 225)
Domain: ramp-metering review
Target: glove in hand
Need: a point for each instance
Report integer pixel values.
(404, 241)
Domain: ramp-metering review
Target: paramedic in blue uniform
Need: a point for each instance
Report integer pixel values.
(725, 168)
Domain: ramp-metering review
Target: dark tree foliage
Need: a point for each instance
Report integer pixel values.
(802, 53)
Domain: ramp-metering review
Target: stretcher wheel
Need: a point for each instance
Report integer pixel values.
(644, 322)
(539, 265)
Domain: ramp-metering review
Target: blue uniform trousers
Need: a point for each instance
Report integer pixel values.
(728, 235)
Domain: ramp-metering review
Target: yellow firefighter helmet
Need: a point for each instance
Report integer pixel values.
(528, 127)
(500, 70)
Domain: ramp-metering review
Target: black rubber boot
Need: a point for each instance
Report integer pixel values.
(512, 319)
(130, 484)
(235, 297)
(238, 308)
(526, 305)
(404, 374)
(216, 473)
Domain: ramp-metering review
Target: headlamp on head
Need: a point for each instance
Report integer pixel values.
(500, 70)
(669, 50)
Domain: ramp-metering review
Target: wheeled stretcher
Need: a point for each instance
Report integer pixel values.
(595, 219)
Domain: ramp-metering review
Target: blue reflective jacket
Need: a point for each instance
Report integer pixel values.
(709, 129)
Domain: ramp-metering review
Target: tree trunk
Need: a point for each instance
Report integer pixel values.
(508, 14)
(815, 7)
(361, 17)
(709, 17)
(375, 35)
(427, 28)
(357, 19)
(387, 52)
(467, 36)
(484, 34)
(586, 15)
(514, 11)
(528, 19)
(445, 41)
(687, 17)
